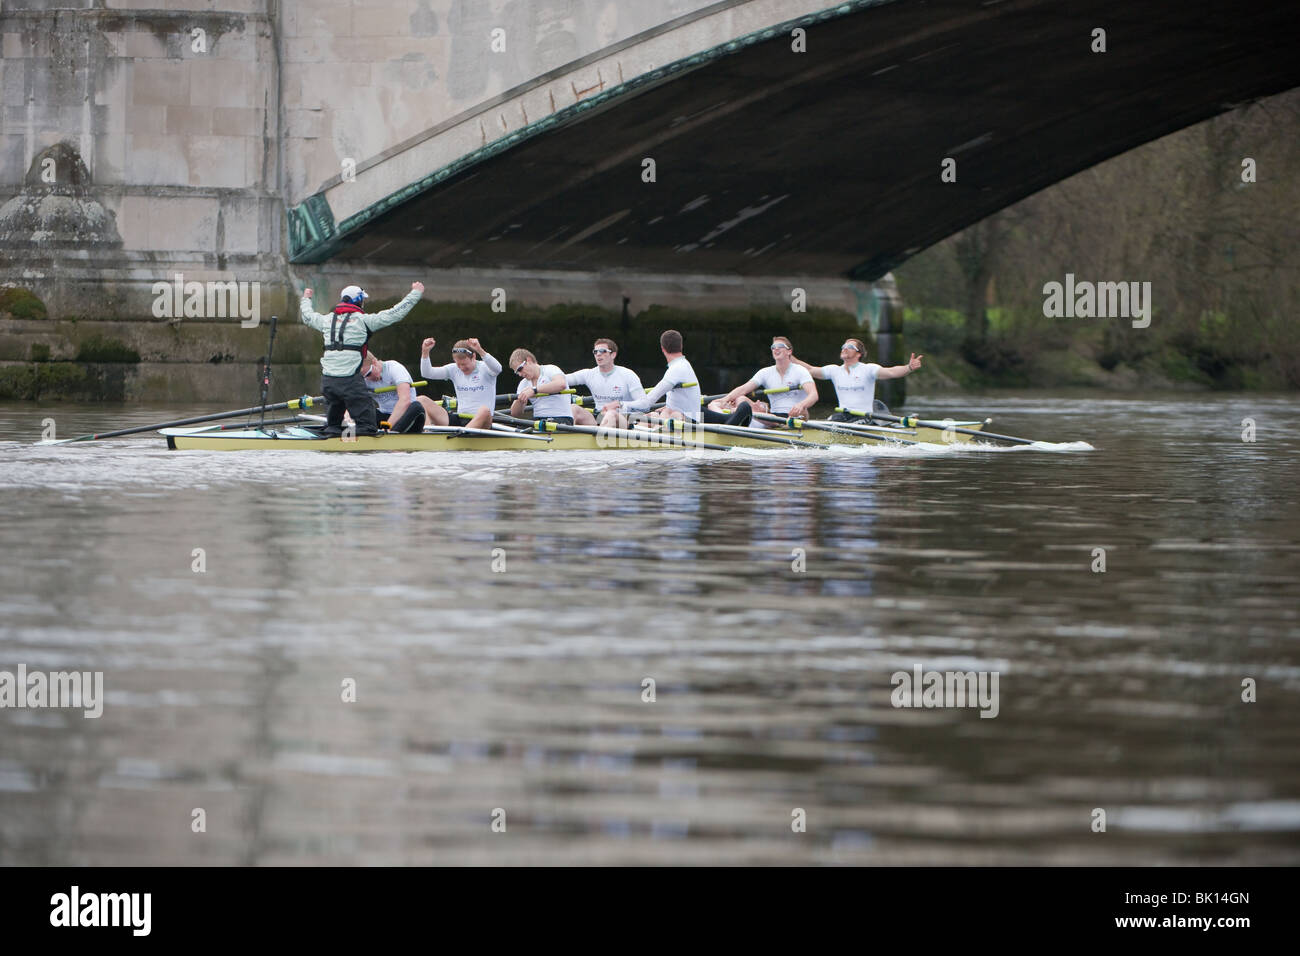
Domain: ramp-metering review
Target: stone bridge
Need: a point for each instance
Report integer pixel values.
(680, 152)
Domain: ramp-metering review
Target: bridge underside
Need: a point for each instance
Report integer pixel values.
(828, 162)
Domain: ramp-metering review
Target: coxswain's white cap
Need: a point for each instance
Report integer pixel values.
(353, 293)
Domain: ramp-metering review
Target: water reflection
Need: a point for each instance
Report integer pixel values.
(524, 689)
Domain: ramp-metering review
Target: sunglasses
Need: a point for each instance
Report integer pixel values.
(599, 351)
(778, 347)
(850, 345)
(462, 351)
(520, 369)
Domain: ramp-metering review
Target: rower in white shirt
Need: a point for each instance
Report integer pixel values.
(539, 384)
(783, 373)
(679, 386)
(401, 407)
(608, 383)
(855, 380)
(475, 380)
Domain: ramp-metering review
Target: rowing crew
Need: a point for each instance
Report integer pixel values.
(351, 374)
(615, 389)
(788, 383)
(543, 386)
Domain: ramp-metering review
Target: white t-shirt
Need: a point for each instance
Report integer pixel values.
(473, 390)
(391, 373)
(548, 406)
(620, 385)
(855, 388)
(684, 400)
(794, 378)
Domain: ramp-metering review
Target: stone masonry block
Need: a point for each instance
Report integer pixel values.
(189, 120)
(225, 83)
(160, 83)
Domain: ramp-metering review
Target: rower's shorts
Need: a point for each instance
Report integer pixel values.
(852, 419)
(412, 420)
(741, 417)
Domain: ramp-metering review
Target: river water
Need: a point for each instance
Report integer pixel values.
(501, 716)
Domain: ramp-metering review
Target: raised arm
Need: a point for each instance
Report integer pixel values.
(816, 371)
(493, 366)
(397, 312)
(427, 369)
(309, 315)
(898, 371)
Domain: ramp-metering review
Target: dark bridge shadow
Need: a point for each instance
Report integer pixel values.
(769, 161)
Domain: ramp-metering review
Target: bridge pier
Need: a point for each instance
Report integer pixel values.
(880, 307)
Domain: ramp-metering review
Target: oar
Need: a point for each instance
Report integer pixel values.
(643, 437)
(705, 399)
(306, 401)
(296, 419)
(511, 396)
(676, 424)
(579, 400)
(678, 385)
(839, 428)
(911, 421)
(451, 431)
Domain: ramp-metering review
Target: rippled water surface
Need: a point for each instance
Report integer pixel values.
(521, 690)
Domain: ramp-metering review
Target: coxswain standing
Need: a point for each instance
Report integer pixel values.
(347, 329)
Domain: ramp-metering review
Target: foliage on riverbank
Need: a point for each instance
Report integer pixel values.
(1209, 216)
(1027, 351)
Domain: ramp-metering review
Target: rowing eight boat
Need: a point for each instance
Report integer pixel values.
(452, 438)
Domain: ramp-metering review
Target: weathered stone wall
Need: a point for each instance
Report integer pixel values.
(145, 139)
(197, 122)
(173, 112)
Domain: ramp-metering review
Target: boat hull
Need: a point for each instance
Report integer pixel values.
(302, 439)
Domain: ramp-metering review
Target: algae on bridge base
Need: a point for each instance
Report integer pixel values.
(21, 303)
